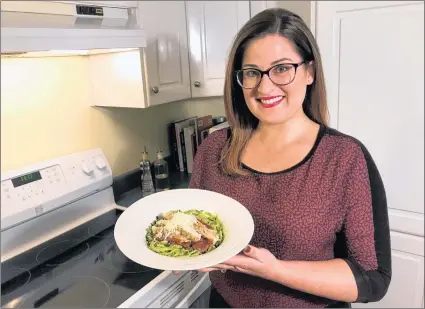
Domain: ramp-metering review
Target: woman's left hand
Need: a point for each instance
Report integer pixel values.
(254, 261)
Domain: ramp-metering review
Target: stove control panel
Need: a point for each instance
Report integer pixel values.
(39, 188)
(31, 189)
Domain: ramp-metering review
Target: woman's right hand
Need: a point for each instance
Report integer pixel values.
(176, 272)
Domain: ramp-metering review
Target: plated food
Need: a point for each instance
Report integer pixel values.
(187, 233)
(183, 229)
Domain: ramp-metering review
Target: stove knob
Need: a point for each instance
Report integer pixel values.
(87, 168)
(100, 163)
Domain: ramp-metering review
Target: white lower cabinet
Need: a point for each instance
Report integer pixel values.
(407, 284)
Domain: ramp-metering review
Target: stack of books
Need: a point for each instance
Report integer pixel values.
(185, 136)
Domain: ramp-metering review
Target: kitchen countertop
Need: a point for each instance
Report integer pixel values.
(178, 180)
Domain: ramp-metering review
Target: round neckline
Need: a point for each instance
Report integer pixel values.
(302, 162)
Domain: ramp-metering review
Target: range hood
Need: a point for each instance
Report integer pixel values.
(67, 27)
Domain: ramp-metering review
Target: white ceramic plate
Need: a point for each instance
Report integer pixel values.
(130, 229)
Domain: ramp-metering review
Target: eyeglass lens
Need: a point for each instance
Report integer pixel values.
(281, 74)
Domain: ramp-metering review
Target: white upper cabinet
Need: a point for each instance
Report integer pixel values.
(155, 75)
(117, 79)
(258, 6)
(167, 54)
(212, 26)
(305, 9)
(188, 43)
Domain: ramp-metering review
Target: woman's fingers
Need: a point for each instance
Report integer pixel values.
(207, 270)
(225, 267)
(222, 267)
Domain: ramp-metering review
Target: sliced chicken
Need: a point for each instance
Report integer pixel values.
(208, 233)
(202, 245)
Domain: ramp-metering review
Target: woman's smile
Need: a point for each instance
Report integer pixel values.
(271, 101)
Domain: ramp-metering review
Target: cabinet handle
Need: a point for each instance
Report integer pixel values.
(155, 89)
(197, 84)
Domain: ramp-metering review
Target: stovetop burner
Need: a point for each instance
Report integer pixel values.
(55, 251)
(22, 277)
(72, 292)
(114, 259)
(74, 270)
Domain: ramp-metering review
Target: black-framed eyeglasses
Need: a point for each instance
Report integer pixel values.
(280, 74)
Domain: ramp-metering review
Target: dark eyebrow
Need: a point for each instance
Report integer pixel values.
(273, 63)
(280, 60)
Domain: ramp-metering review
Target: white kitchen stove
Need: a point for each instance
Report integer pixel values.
(58, 248)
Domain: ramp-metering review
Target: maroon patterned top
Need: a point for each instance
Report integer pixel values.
(332, 204)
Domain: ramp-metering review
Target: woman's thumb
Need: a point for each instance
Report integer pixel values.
(252, 252)
(259, 254)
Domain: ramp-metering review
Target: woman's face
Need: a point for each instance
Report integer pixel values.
(269, 102)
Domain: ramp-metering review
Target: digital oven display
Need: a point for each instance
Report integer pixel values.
(25, 179)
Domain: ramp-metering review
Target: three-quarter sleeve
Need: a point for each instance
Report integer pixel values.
(366, 228)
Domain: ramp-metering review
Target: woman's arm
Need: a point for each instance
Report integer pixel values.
(332, 279)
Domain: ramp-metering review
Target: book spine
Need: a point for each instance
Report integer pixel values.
(179, 148)
(173, 145)
(183, 148)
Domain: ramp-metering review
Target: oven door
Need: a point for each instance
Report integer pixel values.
(198, 296)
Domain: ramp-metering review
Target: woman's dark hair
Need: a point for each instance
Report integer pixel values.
(241, 120)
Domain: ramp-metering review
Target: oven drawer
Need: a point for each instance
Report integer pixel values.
(199, 296)
(168, 291)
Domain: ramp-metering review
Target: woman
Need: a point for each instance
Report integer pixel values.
(321, 234)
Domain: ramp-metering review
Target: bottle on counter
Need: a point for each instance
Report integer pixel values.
(160, 166)
(146, 175)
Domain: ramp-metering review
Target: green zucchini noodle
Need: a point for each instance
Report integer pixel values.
(174, 250)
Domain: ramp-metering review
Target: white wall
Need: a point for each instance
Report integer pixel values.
(45, 113)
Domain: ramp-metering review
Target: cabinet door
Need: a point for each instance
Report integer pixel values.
(118, 79)
(305, 9)
(258, 6)
(167, 60)
(373, 58)
(212, 26)
(407, 283)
